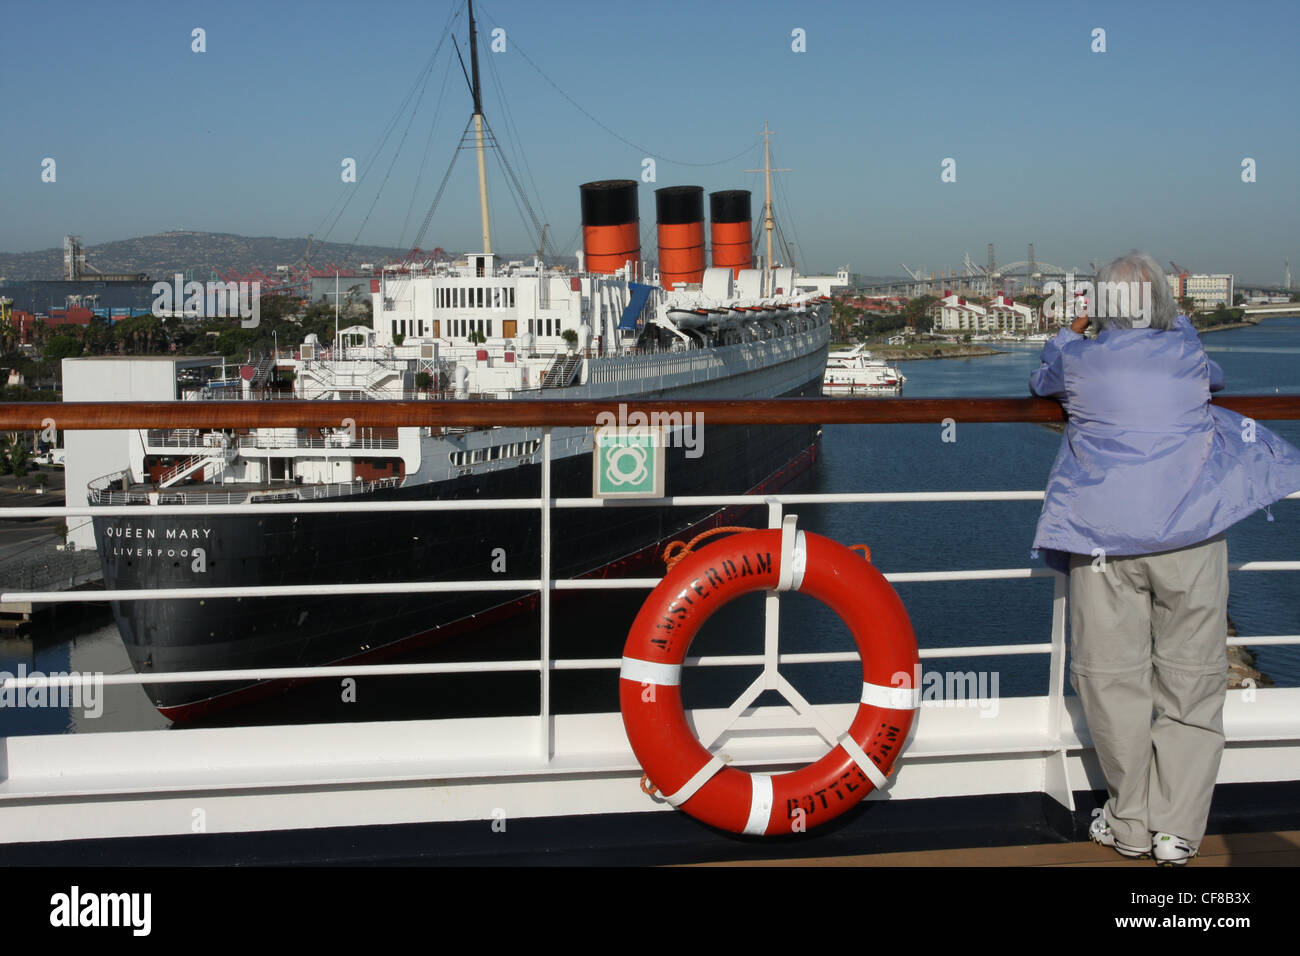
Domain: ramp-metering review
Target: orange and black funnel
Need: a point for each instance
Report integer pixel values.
(732, 239)
(611, 224)
(680, 215)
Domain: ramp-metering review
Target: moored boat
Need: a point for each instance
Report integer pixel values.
(856, 371)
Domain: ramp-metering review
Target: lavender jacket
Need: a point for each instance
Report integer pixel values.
(1146, 463)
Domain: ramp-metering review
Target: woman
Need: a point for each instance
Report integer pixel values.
(1148, 478)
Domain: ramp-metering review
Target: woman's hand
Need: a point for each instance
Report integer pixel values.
(1079, 324)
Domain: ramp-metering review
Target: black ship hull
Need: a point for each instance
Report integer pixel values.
(179, 635)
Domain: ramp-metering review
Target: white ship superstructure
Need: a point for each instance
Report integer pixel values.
(741, 341)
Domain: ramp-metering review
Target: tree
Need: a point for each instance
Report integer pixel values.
(273, 308)
(140, 332)
(61, 347)
(399, 338)
(8, 333)
(98, 335)
(841, 320)
(570, 338)
(185, 335)
(235, 343)
(915, 312)
(423, 381)
(18, 456)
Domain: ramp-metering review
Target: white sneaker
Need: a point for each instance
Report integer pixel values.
(1173, 850)
(1100, 832)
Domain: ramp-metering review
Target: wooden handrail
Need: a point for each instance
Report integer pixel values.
(33, 416)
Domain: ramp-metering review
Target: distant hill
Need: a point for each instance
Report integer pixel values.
(162, 255)
(170, 252)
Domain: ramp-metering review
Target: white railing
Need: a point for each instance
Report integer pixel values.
(553, 764)
(100, 493)
(363, 442)
(161, 439)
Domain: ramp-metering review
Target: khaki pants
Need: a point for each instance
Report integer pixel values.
(1149, 663)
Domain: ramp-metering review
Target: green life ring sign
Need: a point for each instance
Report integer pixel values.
(628, 462)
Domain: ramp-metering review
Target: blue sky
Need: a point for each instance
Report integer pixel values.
(1084, 154)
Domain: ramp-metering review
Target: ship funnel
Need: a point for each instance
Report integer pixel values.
(611, 225)
(732, 240)
(680, 214)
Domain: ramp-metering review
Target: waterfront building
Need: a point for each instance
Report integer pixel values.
(955, 314)
(1004, 315)
(1207, 291)
(822, 285)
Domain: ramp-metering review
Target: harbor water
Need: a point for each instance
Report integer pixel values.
(902, 537)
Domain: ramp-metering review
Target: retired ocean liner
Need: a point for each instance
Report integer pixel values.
(611, 330)
(483, 329)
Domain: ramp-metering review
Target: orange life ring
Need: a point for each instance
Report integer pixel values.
(691, 778)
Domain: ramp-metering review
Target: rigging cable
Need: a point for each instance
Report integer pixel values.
(428, 217)
(512, 132)
(518, 187)
(424, 162)
(622, 139)
(391, 163)
(376, 151)
(788, 215)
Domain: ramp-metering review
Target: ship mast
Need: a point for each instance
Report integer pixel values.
(478, 133)
(769, 223)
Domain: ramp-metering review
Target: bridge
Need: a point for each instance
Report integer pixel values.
(1014, 278)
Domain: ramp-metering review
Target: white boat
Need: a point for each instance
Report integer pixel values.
(856, 371)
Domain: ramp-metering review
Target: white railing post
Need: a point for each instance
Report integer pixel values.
(1057, 776)
(544, 716)
(772, 608)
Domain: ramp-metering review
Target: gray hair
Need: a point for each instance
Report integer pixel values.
(1123, 301)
